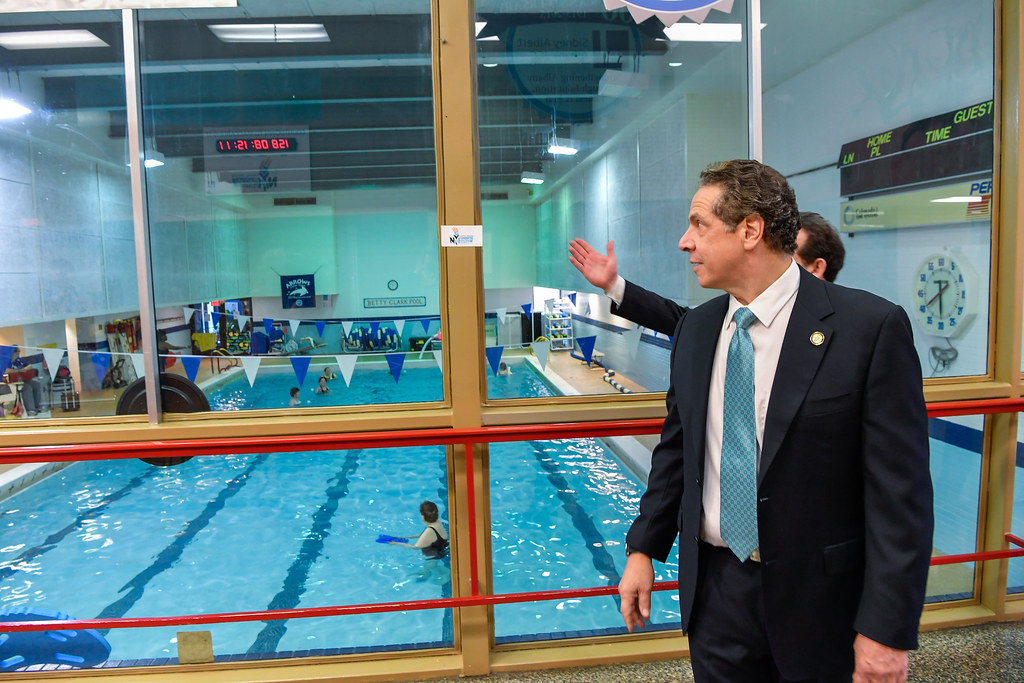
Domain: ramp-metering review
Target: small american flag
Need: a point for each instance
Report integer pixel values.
(979, 209)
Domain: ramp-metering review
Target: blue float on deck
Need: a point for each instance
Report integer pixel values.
(78, 648)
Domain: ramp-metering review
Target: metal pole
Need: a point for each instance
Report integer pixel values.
(754, 99)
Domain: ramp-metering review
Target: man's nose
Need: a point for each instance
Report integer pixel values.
(686, 242)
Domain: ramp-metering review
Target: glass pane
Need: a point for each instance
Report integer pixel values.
(560, 511)
(67, 271)
(646, 108)
(956, 450)
(294, 216)
(124, 538)
(1015, 575)
(881, 116)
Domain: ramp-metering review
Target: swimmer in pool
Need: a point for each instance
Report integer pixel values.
(328, 375)
(433, 541)
(294, 400)
(504, 369)
(321, 387)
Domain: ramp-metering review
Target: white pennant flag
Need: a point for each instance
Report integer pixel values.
(294, 326)
(243, 320)
(438, 355)
(52, 358)
(541, 350)
(187, 314)
(347, 326)
(399, 324)
(139, 363)
(251, 365)
(346, 364)
(632, 338)
(501, 312)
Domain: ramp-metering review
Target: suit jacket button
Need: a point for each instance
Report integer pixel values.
(699, 482)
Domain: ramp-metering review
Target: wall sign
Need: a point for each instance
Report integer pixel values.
(394, 301)
(298, 291)
(462, 235)
(954, 203)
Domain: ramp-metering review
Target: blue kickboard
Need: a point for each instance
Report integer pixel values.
(79, 648)
(384, 538)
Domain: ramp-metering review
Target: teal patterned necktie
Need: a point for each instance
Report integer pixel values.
(739, 443)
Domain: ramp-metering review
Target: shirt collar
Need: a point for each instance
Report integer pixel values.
(770, 302)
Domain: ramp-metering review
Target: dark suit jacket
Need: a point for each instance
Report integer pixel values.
(649, 310)
(844, 490)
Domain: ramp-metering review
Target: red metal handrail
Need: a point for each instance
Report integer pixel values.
(467, 437)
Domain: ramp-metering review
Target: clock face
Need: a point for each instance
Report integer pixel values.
(941, 296)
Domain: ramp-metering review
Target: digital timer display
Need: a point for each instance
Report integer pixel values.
(255, 145)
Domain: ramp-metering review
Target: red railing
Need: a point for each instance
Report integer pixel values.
(416, 437)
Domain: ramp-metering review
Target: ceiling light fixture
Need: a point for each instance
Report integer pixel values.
(563, 147)
(675, 64)
(48, 40)
(531, 178)
(705, 33)
(490, 65)
(271, 33)
(9, 109)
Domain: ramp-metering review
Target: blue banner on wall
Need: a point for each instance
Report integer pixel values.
(298, 291)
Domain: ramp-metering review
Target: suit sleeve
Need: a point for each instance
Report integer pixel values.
(649, 310)
(897, 490)
(655, 529)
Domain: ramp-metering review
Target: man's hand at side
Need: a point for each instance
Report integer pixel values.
(600, 270)
(874, 662)
(635, 589)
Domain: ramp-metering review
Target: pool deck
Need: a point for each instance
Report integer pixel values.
(980, 654)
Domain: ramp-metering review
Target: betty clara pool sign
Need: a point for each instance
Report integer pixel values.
(670, 11)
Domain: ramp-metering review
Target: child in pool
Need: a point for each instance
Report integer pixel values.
(322, 387)
(328, 375)
(294, 400)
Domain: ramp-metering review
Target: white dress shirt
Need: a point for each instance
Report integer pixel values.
(772, 308)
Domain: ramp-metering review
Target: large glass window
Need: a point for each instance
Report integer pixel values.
(881, 115)
(69, 310)
(292, 201)
(611, 121)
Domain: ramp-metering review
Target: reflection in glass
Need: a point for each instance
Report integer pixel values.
(67, 268)
(616, 119)
(1015, 573)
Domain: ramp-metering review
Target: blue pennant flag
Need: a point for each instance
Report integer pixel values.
(215, 319)
(374, 327)
(100, 361)
(6, 353)
(426, 325)
(395, 361)
(528, 309)
(320, 326)
(268, 325)
(191, 364)
(587, 347)
(572, 298)
(300, 364)
(494, 357)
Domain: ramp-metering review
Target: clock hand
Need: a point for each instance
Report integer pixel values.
(943, 286)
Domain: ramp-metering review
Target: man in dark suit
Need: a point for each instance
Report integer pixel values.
(839, 486)
(819, 251)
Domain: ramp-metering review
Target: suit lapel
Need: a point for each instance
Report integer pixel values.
(696, 367)
(803, 347)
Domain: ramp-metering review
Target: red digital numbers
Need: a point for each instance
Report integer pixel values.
(255, 144)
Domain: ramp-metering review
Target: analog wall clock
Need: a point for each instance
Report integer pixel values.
(943, 295)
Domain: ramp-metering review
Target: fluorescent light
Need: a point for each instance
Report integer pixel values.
(705, 33)
(532, 178)
(564, 147)
(490, 65)
(46, 40)
(675, 64)
(958, 200)
(9, 109)
(480, 27)
(271, 33)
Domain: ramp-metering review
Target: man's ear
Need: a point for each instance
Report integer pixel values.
(817, 268)
(753, 230)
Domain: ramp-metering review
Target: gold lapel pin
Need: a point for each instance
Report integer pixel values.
(817, 338)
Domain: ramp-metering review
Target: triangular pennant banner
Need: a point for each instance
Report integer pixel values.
(494, 357)
(399, 325)
(268, 325)
(100, 361)
(293, 325)
(586, 308)
(632, 338)
(251, 365)
(572, 298)
(139, 363)
(501, 313)
(587, 346)
(6, 353)
(187, 313)
(528, 309)
(300, 364)
(191, 364)
(215, 319)
(52, 358)
(541, 349)
(243, 320)
(439, 359)
(395, 361)
(347, 326)
(374, 328)
(346, 364)
(426, 325)
(320, 327)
